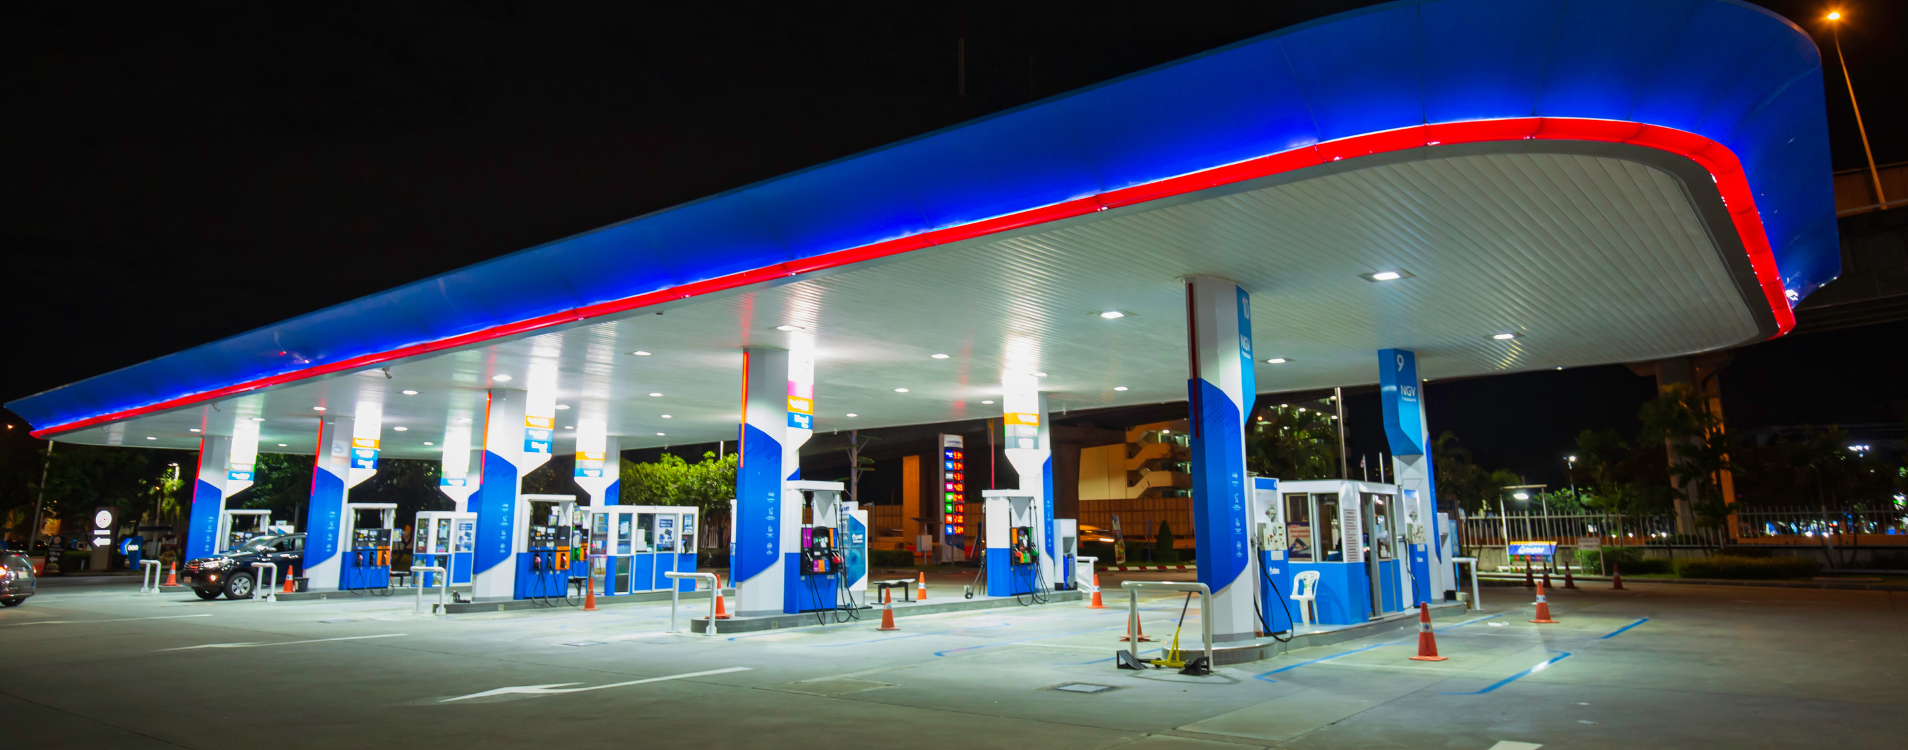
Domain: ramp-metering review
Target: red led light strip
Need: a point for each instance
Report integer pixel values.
(1721, 163)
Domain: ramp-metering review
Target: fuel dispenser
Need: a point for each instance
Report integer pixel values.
(1014, 528)
(814, 577)
(236, 527)
(1269, 539)
(446, 539)
(367, 561)
(1066, 533)
(1349, 534)
(543, 549)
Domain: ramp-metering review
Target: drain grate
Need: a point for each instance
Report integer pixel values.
(1083, 687)
(581, 644)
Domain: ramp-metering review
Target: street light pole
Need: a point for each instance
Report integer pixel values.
(1835, 30)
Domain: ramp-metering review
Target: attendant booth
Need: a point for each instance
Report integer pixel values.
(1347, 532)
(446, 539)
(637, 544)
(236, 527)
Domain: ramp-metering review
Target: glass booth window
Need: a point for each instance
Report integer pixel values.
(1298, 527)
(1380, 537)
(645, 530)
(1329, 545)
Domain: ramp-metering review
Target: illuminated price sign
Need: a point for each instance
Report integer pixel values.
(953, 487)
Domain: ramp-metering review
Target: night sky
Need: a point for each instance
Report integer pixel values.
(176, 173)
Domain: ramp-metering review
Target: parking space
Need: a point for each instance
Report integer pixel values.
(1657, 666)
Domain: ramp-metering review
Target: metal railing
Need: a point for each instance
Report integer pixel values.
(1746, 525)
(150, 570)
(675, 595)
(417, 580)
(258, 581)
(1205, 609)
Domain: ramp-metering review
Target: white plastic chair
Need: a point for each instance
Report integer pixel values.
(1305, 592)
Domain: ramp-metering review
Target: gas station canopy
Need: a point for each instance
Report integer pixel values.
(1553, 183)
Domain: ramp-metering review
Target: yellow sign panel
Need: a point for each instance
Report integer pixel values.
(358, 442)
(541, 423)
(801, 405)
(1029, 420)
(589, 455)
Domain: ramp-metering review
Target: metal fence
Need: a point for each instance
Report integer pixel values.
(1776, 526)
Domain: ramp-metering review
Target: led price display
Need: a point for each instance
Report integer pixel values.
(953, 487)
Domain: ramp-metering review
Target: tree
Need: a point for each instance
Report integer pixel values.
(708, 485)
(1163, 551)
(1293, 443)
(1699, 452)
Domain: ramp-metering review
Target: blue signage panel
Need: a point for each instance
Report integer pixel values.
(1533, 549)
(1398, 392)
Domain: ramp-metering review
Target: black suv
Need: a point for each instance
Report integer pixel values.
(231, 573)
(16, 579)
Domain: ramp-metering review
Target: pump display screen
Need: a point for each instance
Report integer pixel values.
(818, 553)
(1020, 548)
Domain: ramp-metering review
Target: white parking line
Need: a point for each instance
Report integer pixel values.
(89, 622)
(283, 643)
(560, 688)
(1508, 745)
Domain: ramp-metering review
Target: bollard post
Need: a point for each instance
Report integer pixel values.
(258, 581)
(417, 577)
(150, 569)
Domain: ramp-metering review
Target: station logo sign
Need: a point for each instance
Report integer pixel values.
(589, 464)
(364, 453)
(538, 434)
(801, 412)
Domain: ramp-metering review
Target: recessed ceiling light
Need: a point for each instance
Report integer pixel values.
(195, 429)
(1503, 336)
(1277, 361)
(402, 429)
(149, 437)
(666, 416)
(1559, 368)
(281, 445)
(1112, 315)
(639, 353)
(1392, 275)
(659, 434)
(317, 408)
(655, 394)
(258, 419)
(408, 393)
(987, 402)
(938, 356)
(854, 415)
(900, 390)
(786, 327)
(427, 442)
(500, 378)
(1040, 374)
(561, 407)
(569, 427)
(1119, 388)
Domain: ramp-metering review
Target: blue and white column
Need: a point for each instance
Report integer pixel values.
(1029, 449)
(599, 464)
(761, 528)
(1401, 394)
(1221, 389)
(225, 468)
(519, 431)
(324, 510)
(455, 478)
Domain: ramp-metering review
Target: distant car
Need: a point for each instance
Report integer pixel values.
(16, 579)
(231, 573)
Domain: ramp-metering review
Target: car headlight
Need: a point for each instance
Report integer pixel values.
(218, 563)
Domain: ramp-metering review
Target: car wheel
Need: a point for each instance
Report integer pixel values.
(207, 593)
(239, 586)
(13, 602)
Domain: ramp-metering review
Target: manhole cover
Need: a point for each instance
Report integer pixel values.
(1082, 687)
(581, 644)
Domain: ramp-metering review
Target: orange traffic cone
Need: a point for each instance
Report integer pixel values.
(1616, 581)
(172, 578)
(1543, 609)
(1528, 583)
(887, 611)
(722, 610)
(289, 587)
(589, 588)
(1569, 582)
(1141, 626)
(1096, 603)
(920, 588)
(1547, 580)
(1427, 641)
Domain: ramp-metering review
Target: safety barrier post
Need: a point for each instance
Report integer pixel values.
(1205, 608)
(674, 597)
(1091, 579)
(1476, 603)
(258, 581)
(417, 582)
(150, 570)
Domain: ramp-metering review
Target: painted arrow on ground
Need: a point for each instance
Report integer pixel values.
(562, 688)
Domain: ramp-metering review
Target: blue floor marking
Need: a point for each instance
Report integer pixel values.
(1619, 631)
(911, 635)
(1561, 655)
